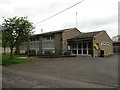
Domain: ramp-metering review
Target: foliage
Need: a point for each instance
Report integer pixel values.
(16, 60)
(16, 30)
(0, 38)
(30, 52)
(67, 53)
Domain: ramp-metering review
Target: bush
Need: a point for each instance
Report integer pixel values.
(67, 53)
(49, 53)
(30, 52)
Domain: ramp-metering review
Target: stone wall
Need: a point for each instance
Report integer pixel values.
(105, 43)
(66, 35)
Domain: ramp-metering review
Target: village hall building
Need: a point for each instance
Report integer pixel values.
(72, 40)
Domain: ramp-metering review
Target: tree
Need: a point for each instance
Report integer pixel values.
(17, 31)
(0, 39)
(4, 41)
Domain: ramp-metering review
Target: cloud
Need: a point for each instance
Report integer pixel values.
(4, 1)
(92, 14)
(90, 23)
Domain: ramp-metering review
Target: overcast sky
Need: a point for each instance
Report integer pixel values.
(92, 15)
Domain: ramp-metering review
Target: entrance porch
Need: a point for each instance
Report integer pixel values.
(81, 47)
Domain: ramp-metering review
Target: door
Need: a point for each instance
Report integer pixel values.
(85, 48)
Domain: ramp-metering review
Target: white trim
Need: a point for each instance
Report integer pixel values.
(87, 48)
(77, 48)
(81, 49)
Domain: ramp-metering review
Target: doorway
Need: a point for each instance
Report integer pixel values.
(81, 48)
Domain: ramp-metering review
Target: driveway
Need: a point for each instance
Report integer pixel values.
(73, 72)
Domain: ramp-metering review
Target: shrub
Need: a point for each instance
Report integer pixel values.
(67, 53)
(30, 52)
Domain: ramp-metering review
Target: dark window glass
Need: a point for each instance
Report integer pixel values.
(84, 51)
(89, 45)
(73, 46)
(84, 45)
(79, 51)
(74, 52)
(79, 45)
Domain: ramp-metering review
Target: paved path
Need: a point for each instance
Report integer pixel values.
(76, 72)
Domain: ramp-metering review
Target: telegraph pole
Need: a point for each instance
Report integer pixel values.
(76, 19)
(41, 30)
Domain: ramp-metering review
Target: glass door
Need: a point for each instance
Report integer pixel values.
(85, 48)
(80, 48)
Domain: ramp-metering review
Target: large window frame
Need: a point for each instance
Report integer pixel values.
(34, 44)
(81, 48)
(48, 43)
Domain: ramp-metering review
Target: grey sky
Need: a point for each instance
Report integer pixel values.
(93, 15)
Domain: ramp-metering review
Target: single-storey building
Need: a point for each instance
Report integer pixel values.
(72, 40)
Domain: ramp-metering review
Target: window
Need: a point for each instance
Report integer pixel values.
(48, 43)
(104, 43)
(84, 51)
(24, 46)
(89, 47)
(79, 51)
(89, 51)
(85, 45)
(74, 51)
(79, 45)
(74, 46)
(107, 43)
(34, 44)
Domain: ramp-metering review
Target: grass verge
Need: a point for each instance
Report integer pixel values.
(7, 61)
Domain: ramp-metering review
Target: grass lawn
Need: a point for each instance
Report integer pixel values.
(15, 60)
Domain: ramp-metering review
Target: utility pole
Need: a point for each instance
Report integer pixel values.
(76, 19)
(41, 30)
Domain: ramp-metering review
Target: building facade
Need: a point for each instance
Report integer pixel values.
(55, 41)
(72, 40)
(91, 44)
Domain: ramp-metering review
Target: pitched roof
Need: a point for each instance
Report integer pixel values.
(86, 35)
(54, 32)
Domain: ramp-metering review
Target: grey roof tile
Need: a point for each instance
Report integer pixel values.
(86, 35)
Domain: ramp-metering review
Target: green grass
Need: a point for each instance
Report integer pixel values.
(15, 60)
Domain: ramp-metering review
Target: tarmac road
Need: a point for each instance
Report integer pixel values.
(76, 72)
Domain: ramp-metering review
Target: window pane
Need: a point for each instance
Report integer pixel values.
(80, 45)
(84, 51)
(73, 46)
(48, 43)
(74, 52)
(79, 51)
(89, 51)
(89, 44)
(84, 45)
